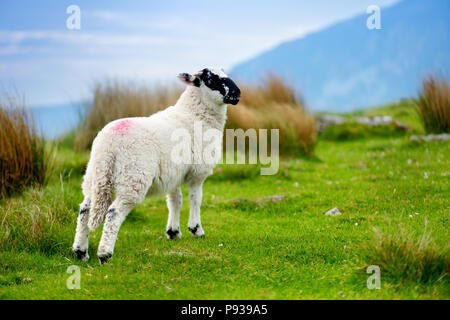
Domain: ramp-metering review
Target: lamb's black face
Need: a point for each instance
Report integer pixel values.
(220, 82)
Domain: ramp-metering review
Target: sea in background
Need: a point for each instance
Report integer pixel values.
(53, 122)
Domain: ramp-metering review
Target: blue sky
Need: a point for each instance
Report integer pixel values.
(145, 41)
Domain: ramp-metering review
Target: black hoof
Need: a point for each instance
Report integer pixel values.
(172, 234)
(103, 259)
(194, 229)
(81, 255)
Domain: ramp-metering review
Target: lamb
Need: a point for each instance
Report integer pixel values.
(132, 157)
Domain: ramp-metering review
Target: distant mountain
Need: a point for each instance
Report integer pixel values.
(347, 66)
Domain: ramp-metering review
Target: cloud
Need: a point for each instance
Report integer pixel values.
(83, 38)
(136, 21)
(106, 15)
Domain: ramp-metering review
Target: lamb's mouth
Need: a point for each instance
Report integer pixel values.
(232, 100)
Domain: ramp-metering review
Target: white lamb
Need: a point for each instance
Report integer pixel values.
(132, 157)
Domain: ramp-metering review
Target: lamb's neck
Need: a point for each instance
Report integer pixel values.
(211, 114)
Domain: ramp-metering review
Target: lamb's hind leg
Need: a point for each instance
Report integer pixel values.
(115, 216)
(174, 203)
(130, 191)
(81, 242)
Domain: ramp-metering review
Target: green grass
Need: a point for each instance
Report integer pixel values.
(353, 130)
(254, 248)
(403, 111)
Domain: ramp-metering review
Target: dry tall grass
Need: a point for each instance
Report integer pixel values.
(275, 106)
(433, 105)
(23, 158)
(271, 106)
(114, 100)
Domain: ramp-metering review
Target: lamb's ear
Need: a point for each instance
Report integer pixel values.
(189, 79)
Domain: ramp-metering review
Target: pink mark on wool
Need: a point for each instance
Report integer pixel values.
(122, 127)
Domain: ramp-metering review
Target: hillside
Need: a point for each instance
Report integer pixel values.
(347, 66)
(255, 248)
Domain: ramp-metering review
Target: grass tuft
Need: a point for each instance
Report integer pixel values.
(404, 259)
(40, 220)
(24, 159)
(433, 105)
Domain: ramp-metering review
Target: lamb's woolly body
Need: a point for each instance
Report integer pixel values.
(132, 157)
(139, 160)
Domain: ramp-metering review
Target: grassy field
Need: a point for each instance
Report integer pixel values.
(255, 248)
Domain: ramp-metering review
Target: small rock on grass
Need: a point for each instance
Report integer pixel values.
(259, 200)
(333, 212)
(176, 252)
(274, 198)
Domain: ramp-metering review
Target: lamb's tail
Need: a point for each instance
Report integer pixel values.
(101, 187)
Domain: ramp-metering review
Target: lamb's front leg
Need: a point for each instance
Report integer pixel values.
(81, 242)
(195, 198)
(174, 203)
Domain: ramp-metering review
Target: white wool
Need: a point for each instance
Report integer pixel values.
(132, 157)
